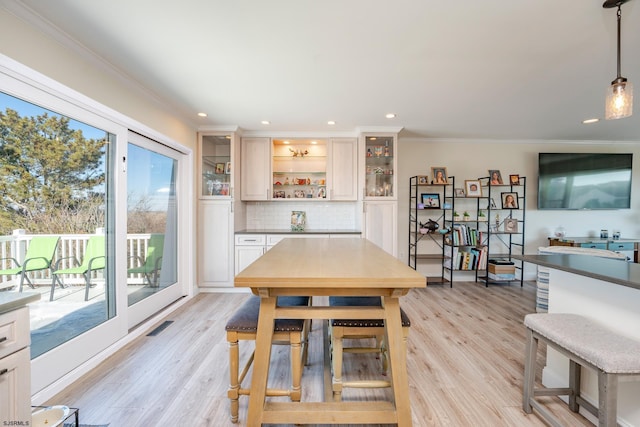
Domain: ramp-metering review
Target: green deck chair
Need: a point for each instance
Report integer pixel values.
(153, 262)
(39, 256)
(93, 259)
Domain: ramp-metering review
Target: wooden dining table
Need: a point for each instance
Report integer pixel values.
(329, 267)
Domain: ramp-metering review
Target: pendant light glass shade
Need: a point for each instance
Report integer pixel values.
(619, 102)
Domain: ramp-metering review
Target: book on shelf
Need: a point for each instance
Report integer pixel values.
(466, 258)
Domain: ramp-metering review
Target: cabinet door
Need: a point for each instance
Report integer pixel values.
(343, 165)
(216, 158)
(15, 387)
(256, 169)
(245, 255)
(380, 225)
(379, 156)
(215, 257)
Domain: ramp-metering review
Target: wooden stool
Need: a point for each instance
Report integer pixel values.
(358, 329)
(243, 326)
(586, 343)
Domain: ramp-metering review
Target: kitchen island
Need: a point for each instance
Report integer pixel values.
(606, 290)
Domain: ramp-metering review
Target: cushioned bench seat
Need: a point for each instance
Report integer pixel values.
(243, 325)
(586, 343)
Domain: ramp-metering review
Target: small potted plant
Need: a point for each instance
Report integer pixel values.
(482, 216)
(466, 216)
(456, 216)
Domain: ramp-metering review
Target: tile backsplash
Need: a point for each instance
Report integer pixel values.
(320, 215)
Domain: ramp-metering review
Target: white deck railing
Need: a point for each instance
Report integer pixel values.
(70, 245)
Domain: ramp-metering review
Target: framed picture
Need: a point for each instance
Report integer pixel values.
(439, 175)
(459, 192)
(431, 200)
(279, 194)
(423, 180)
(495, 177)
(510, 225)
(514, 179)
(219, 168)
(509, 200)
(227, 170)
(298, 220)
(472, 188)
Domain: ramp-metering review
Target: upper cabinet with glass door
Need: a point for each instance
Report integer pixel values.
(216, 179)
(379, 152)
(299, 169)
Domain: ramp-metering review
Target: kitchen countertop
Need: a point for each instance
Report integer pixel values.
(609, 270)
(285, 231)
(10, 301)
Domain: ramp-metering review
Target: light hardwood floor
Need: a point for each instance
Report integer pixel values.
(465, 362)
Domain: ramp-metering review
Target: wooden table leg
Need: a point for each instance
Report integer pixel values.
(398, 360)
(260, 375)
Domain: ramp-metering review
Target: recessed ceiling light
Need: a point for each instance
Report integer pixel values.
(285, 142)
(587, 121)
(314, 142)
(390, 115)
(331, 123)
(202, 114)
(265, 122)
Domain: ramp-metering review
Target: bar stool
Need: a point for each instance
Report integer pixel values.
(341, 329)
(243, 325)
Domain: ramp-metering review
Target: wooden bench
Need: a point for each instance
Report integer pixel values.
(586, 343)
(243, 326)
(341, 329)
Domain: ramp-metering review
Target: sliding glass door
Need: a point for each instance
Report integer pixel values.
(152, 228)
(111, 203)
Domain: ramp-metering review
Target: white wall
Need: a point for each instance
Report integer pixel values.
(91, 77)
(470, 159)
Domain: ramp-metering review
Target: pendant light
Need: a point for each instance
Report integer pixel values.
(619, 102)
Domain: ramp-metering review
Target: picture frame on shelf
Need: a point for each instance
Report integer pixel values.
(472, 188)
(219, 168)
(510, 225)
(514, 179)
(430, 200)
(227, 169)
(459, 192)
(423, 180)
(495, 177)
(492, 204)
(509, 200)
(439, 175)
(279, 194)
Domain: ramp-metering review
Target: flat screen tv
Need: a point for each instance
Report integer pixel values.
(584, 180)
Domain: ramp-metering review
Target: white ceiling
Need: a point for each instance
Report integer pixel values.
(490, 69)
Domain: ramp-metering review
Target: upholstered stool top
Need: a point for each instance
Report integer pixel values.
(361, 323)
(593, 342)
(245, 319)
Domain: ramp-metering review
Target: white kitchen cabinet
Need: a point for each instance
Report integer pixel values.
(249, 247)
(15, 367)
(378, 154)
(215, 243)
(342, 169)
(380, 224)
(216, 170)
(255, 173)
